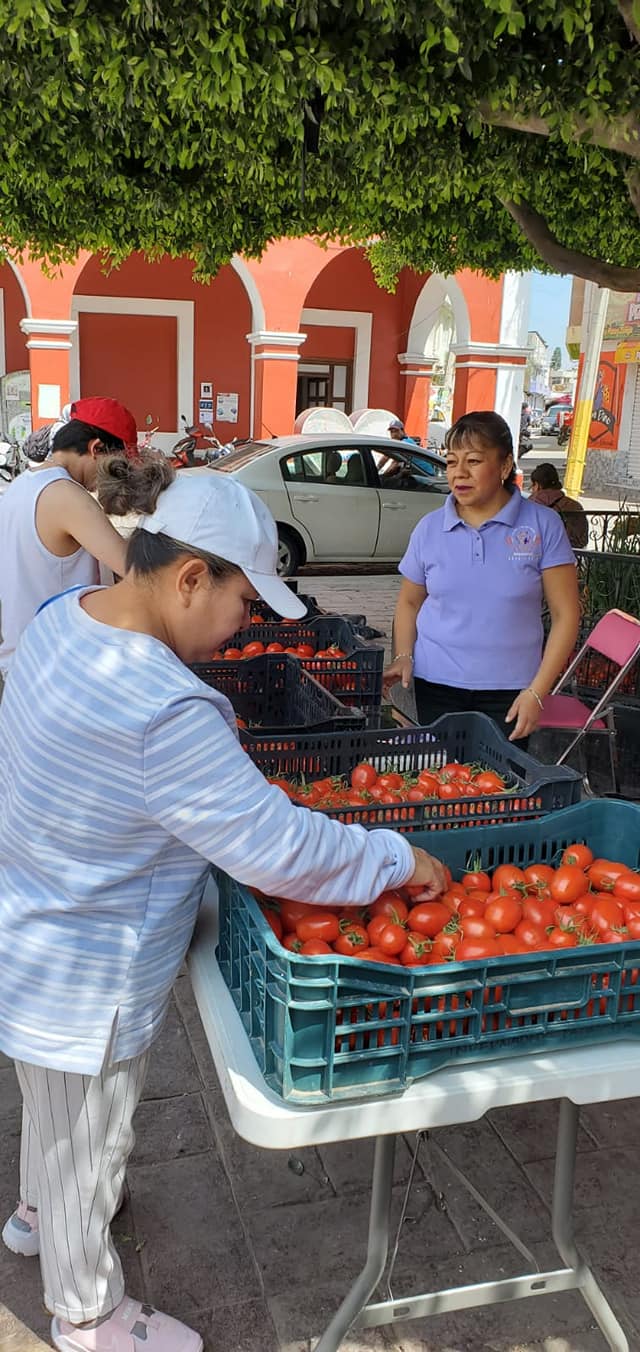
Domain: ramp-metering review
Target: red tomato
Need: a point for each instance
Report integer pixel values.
(539, 875)
(314, 948)
(584, 903)
(351, 941)
(504, 913)
(291, 912)
(416, 795)
(475, 950)
(273, 919)
(476, 879)
(376, 955)
(449, 789)
(363, 776)
(473, 905)
(274, 648)
(509, 944)
(390, 780)
(489, 781)
(390, 904)
(476, 927)
(606, 914)
(507, 875)
(305, 650)
(633, 926)
(392, 939)
(417, 950)
(539, 911)
(292, 942)
(558, 937)
(443, 948)
(580, 855)
(627, 887)
(603, 874)
(568, 883)
(318, 924)
(253, 649)
(375, 927)
(428, 917)
(232, 654)
(530, 935)
(429, 783)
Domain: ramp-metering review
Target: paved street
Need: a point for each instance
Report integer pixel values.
(256, 1249)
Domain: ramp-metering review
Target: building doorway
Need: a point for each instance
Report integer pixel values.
(324, 385)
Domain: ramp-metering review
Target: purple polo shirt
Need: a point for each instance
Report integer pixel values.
(480, 627)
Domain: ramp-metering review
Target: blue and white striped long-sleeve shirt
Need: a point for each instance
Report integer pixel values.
(121, 776)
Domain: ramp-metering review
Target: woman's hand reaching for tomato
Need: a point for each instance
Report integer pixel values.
(526, 712)
(428, 875)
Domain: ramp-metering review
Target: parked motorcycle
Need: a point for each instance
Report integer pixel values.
(189, 451)
(525, 444)
(564, 433)
(12, 461)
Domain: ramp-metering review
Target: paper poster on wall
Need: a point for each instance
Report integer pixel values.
(205, 411)
(607, 404)
(227, 408)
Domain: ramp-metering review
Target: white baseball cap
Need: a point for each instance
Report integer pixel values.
(214, 512)
(397, 423)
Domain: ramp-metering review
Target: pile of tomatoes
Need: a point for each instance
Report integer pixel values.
(255, 648)
(583, 901)
(366, 786)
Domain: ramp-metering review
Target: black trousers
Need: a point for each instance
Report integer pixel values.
(433, 700)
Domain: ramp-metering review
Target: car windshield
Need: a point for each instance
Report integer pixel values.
(248, 451)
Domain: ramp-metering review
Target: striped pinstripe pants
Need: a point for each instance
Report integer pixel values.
(76, 1140)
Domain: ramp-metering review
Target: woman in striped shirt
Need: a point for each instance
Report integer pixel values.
(118, 787)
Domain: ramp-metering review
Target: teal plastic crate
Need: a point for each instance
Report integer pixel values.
(330, 1029)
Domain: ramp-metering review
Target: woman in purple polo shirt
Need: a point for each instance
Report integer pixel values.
(468, 623)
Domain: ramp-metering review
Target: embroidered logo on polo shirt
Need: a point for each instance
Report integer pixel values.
(524, 543)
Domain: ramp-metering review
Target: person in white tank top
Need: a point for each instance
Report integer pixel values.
(53, 533)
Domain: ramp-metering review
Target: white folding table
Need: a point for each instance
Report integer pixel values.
(451, 1096)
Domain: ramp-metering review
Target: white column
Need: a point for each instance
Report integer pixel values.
(514, 324)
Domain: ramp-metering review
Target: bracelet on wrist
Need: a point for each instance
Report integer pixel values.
(399, 655)
(535, 696)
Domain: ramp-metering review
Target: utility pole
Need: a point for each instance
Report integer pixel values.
(595, 325)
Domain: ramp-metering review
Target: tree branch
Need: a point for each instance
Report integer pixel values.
(622, 136)
(561, 259)
(626, 9)
(632, 178)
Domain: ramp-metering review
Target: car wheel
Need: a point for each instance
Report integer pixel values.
(290, 552)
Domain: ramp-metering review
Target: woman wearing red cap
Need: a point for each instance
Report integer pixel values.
(53, 533)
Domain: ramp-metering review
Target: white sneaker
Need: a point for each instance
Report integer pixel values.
(21, 1233)
(133, 1327)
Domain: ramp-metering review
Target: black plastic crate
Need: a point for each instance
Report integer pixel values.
(534, 789)
(273, 693)
(355, 678)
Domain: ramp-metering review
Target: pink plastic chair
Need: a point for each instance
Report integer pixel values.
(617, 637)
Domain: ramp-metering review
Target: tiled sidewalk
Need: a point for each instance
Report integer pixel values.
(256, 1248)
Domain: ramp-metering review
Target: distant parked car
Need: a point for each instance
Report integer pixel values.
(553, 418)
(339, 498)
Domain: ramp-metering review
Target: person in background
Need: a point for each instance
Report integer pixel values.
(53, 533)
(547, 491)
(101, 879)
(396, 430)
(37, 446)
(468, 622)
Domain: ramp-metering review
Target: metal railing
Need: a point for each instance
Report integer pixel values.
(612, 531)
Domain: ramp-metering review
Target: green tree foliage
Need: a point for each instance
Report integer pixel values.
(556, 359)
(493, 135)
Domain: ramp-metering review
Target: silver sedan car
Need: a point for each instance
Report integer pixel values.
(340, 498)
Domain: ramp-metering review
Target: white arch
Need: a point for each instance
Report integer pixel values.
(258, 318)
(21, 283)
(435, 291)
